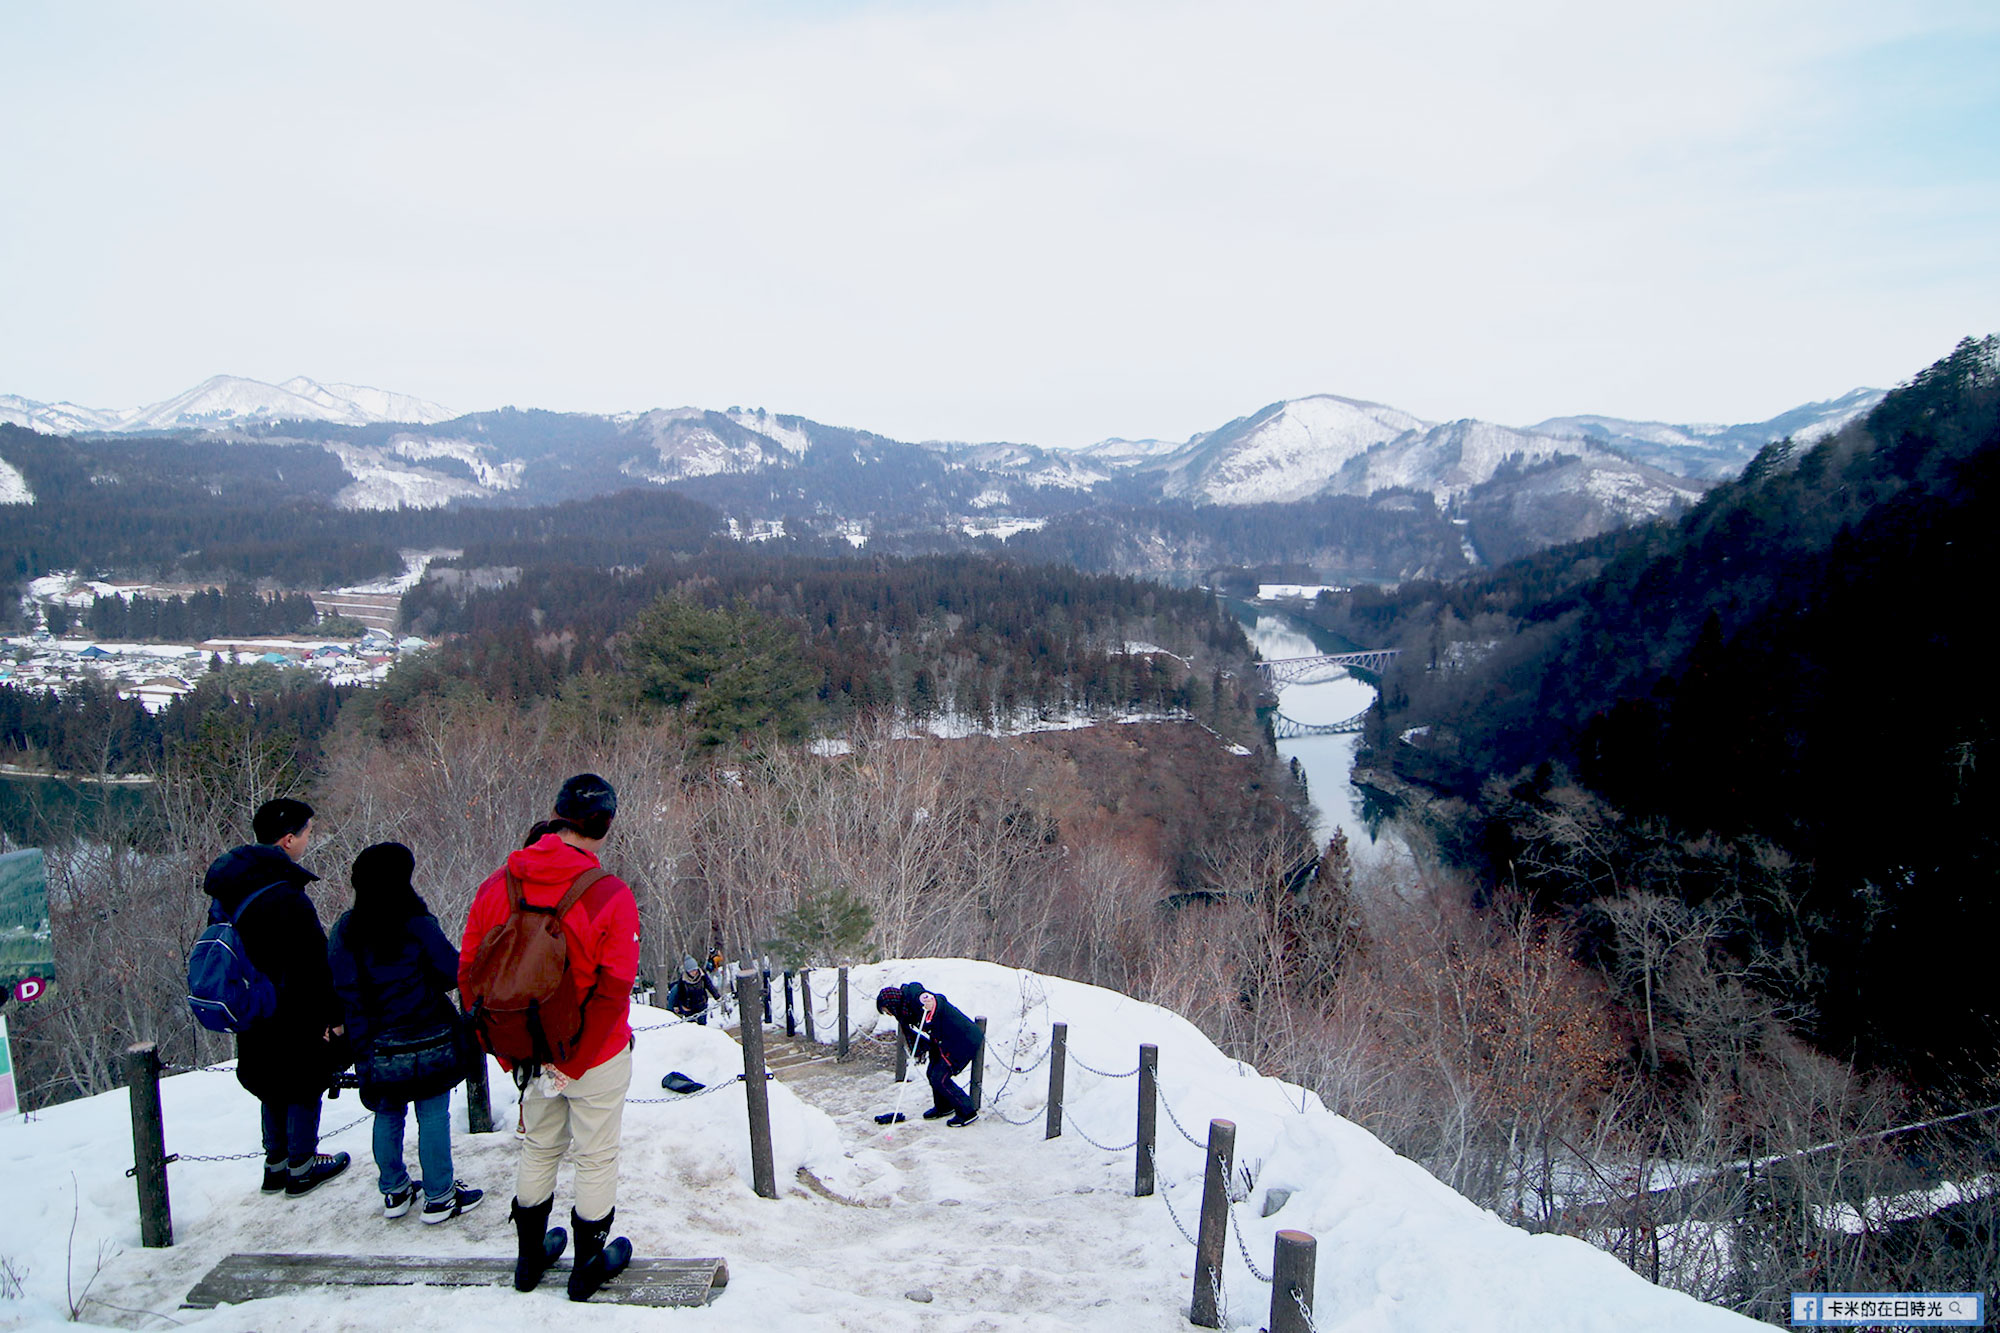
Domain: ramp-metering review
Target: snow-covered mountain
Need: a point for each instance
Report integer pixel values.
(1712, 452)
(1562, 479)
(229, 400)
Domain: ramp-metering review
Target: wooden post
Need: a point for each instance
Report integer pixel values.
(1292, 1282)
(791, 1017)
(767, 988)
(806, 1001)
(978, 1089)
(1149, 1118)
(1206, 1309)
(902, 1057)
(840, 1051)
(764, 1177)
(478, 1096)
(149, 1145)
(1058, 1059)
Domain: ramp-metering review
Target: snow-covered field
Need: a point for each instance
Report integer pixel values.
(1003, 1229)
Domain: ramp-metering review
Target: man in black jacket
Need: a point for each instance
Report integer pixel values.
(932, 1026)
(288, 1059)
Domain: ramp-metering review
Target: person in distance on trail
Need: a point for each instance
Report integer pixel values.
(575, 1106)
(688, 994)
(933, 1028)
(287, 1060)
(395, 971)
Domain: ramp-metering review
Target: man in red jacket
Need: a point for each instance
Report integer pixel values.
(576, 1107)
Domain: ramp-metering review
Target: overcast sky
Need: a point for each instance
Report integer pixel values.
(1051, 222)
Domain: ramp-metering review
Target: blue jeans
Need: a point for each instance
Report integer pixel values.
(433, 1147)
(291, 1132)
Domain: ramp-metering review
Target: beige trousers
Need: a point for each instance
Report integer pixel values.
(584, 1120)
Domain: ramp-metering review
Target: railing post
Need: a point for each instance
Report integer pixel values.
(791, 1017)
(902, 1058)
(478, 1096)
(764, 1177)
(1292, 1268)
(978, 1089)
(1206, 1308)
(1149, 1118)
(149, 1145)
(840, 1050)
(806, 1002)
(1058, 1059)
(767, 988)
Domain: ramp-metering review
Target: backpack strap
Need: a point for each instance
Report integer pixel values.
(578, 887)
(236, 916)
(517, 896)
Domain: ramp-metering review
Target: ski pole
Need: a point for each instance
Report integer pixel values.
(896, 1116)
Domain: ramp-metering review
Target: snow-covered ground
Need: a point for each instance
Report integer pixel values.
(1004, 1229)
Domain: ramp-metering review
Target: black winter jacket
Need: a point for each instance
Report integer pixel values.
(951, 1033)
(286, 1057)
(399, 989)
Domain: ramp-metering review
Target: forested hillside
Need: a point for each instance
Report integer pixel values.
(1772, 712)
(972, 636)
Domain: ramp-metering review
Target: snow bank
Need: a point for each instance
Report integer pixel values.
(1008, 1230)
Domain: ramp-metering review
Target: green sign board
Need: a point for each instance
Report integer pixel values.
(27, 953)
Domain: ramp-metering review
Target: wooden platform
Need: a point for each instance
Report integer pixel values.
(249, 1277)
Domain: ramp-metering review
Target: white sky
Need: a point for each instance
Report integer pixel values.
(1051, 222)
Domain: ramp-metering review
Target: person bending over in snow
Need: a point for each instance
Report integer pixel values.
(932, 1028)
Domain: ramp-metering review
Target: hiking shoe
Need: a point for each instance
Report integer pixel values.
(276, 1178)
(962, 1119)
(320, 1170)
(937, 1113)
(397, 1202)
(460, 1200)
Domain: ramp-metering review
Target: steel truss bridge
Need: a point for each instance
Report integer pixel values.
(1284, 671)
(1285, 729)
(1291, 670)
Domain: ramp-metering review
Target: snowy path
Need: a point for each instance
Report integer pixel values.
(1007, 1231)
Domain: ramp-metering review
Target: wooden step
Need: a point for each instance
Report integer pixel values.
(249, 1277)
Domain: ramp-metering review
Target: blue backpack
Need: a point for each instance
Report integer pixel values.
(226, 992)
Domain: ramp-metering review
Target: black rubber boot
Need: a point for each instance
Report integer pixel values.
(539, 1246)
(597, 1261)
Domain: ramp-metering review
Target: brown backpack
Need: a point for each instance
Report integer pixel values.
(517, 994)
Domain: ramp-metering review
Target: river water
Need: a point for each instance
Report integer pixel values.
(1328, 761)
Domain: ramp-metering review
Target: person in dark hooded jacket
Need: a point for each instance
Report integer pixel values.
(395, 971)
(285, 1061)
(933, 1028)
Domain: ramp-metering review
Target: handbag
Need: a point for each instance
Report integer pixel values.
(412, 1065)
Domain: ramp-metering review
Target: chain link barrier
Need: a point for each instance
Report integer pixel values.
(1177, 1122)
(1133, 1072)
(1069, 1123)
(246, 1156)
(688, 1096)
(1243, 1248)
(1165, 1198)
(1305, 1310)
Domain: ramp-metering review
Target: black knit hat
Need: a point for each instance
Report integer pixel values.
(585, 795)
(386, 865)
(888, 998)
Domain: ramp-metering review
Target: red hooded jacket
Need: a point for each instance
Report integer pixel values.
(601, 932)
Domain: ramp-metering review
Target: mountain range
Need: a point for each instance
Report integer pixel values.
(1563, 478)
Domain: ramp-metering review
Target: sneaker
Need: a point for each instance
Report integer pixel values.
(320, 1170)
(276, 1178)
(460, 1200)
(962, 1119)
(937, 1113)
(397, 1202)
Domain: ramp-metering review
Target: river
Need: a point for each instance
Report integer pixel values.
(1328, 761)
